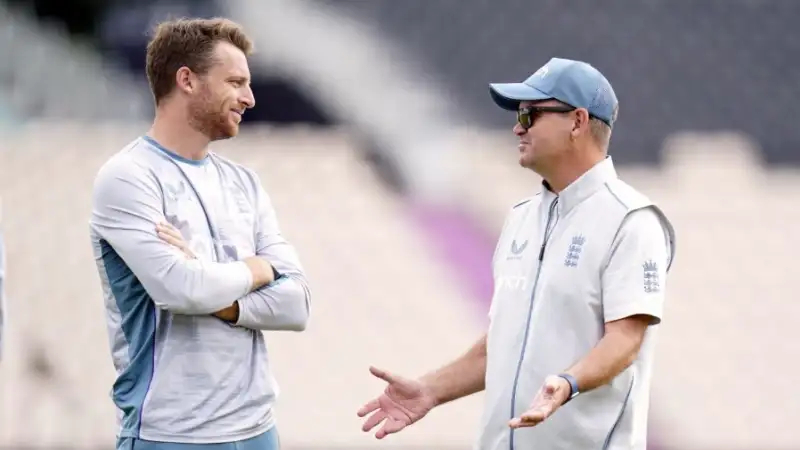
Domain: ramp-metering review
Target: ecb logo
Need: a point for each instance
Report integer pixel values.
(652, 283)
(574, 251)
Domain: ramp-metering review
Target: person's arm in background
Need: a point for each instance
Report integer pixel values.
(464, 376)
(284, 304)
(3, 314)
(406, 401)
(127, 208)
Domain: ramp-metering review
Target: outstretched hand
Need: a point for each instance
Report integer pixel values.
(553, 393)
(404, 402)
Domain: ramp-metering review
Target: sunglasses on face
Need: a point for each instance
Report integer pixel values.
(526, 117)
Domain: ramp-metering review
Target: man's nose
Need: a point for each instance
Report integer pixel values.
(248, 99)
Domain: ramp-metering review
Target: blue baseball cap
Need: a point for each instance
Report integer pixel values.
(575, 83)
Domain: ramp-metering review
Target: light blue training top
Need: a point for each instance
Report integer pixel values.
(183, 375)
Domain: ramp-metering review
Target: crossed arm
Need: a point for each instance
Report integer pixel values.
(127, 209)
(285, 303)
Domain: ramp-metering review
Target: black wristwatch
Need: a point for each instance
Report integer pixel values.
(573, 386)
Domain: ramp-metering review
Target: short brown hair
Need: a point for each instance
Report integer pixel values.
(190, 43)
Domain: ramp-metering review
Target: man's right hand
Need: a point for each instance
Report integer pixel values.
(261, 270)
(172, 236)
(403, 402)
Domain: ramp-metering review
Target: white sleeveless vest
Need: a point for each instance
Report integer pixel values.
(550, 304)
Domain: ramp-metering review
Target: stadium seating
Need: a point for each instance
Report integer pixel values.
(382, 297)
(378, 296)
(45, 75)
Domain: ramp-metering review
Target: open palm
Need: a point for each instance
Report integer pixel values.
(403, 402)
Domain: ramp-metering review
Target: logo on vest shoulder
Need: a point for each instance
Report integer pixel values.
(574, 251)
(516, 250)
(652, 283)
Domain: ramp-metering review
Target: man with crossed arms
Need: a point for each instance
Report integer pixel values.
(192, 262)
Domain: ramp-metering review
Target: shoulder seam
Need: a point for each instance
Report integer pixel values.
(616, 197)
(526, 200)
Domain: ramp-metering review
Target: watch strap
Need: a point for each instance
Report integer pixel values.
(573, 386)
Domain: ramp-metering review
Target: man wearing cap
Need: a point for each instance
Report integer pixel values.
(580, 271)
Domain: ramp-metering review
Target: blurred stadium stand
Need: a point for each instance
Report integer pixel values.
(708, 65)
(731, 320)
(46, 75)
(357, 245)
(122, 33)
(375, 136)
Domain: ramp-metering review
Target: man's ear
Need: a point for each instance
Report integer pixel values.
(185, 80)
(580, 121)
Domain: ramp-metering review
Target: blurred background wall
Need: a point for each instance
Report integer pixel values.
(391, 170)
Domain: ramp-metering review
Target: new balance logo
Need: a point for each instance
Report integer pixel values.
(574, 251)
(651, 279)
